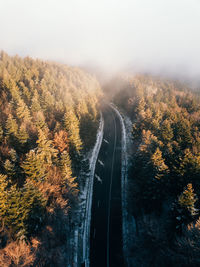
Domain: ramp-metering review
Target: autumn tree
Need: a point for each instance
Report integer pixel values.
(22, 135)
(22, 110)
(166, 131)
(11, 126)
(40, 152)
(68, 179)
(61, 141)
(45, 148)
(71, 124)
(34, 166)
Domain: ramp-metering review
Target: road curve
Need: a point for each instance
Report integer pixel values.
(106, 220)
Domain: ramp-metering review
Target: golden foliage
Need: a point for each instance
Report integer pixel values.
(18, 254)
(61, 141)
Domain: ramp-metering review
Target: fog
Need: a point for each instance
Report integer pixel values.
(144, 35)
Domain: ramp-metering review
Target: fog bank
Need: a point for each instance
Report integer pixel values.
(156, 35)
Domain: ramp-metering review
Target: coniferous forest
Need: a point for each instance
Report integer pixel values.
(48, 124)
(164, 174)
(46, 109)
(99, 133)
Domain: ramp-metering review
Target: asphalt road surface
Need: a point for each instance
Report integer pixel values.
(106, 221)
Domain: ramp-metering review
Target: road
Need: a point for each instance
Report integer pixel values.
(106, 221)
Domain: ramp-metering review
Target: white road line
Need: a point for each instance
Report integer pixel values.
(98, 178)
(108, 226)
(105, 141)
(101, 162)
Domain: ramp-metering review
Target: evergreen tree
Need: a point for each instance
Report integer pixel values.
(188, 199)
(68, 179)
(160, 168)
(184, 210)
(22, 135)
(40, 122)
(45, 148)
(21, 210)
(3, 196)
(61, 141)
(71, 124)
(183, 131)
(34, 207)
(35, 105)
(11, 126)
(22, 110)
(34, 166)
(166, 131)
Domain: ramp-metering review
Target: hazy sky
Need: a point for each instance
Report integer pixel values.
(151, 34)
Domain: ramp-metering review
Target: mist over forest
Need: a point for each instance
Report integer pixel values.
(99, 133)
(146, 36)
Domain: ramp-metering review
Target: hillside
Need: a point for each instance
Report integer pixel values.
(164, 172)
(46, 109)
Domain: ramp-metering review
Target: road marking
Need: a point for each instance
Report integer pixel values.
(105, 141)
(101, 162)
(98, 178)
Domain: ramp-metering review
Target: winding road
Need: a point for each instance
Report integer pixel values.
(106, 220)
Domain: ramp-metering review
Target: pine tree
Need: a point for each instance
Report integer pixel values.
(34, 166)
(11, 126)
(184, 210)
(45, 148)
(166, 131)
(183, 131)
(61, 141)
(81, 108)
(22, 110)
(92, 107)
(3, 196)
(40, 122)
(71, 124)
(22, 135)
(159, 166)
(12, 168)
(21, 210)
(34, 207)
(35, 105)
(188, 199)
(68, 180)
(65, 164)
(26, 92)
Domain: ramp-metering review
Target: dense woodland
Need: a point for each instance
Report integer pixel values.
(164, 176)
(46, 110)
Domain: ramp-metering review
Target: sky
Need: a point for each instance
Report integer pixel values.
(149, 35)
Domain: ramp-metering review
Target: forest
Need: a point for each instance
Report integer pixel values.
(46, 109)
(164, 176)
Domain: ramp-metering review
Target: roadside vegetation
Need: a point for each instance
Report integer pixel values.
(46, 111)
(164, 176)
